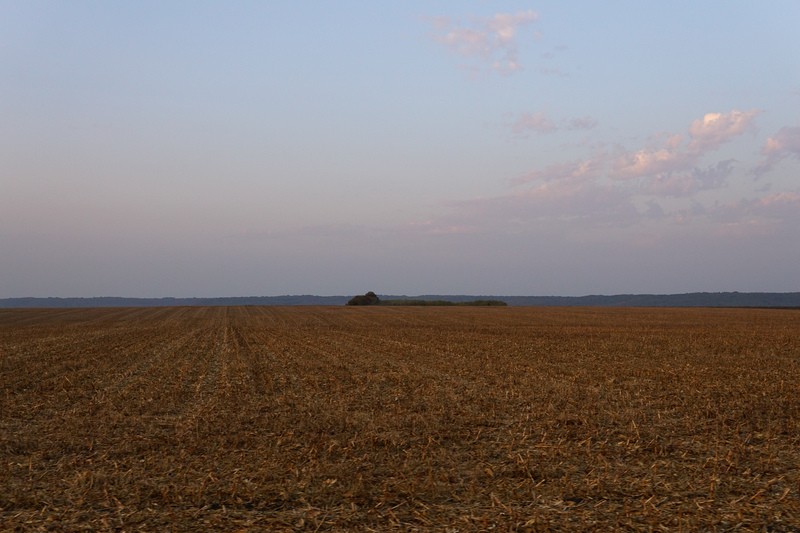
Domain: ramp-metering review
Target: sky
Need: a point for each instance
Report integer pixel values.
(194, 148)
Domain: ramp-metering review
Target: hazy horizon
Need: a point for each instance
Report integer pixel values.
(397, 295)
(223, 149)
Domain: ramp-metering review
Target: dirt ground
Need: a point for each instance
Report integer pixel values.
(399, 418)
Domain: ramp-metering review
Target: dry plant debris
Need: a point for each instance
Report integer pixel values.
(398, 418)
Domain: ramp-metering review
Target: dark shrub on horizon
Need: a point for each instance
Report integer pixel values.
(365, 299)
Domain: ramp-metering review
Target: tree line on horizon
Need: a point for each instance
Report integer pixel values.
(371, 298)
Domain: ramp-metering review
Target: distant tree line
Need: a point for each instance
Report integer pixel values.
(371, 298)
(783, 300)
(444, 302)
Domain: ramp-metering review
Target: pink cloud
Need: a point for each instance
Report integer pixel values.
(653, 186)
(668, 169)
(467, 41)
(763, 216)
(770, 211)
(647, 162)
(580, 170)
(715, 129)
(785, 143)
(782, 204)
(579, 208)
(706, 134)
(492, 40)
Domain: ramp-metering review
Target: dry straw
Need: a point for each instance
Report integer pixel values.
(412, 419)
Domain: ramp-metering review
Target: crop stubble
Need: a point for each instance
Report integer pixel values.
(459, 419)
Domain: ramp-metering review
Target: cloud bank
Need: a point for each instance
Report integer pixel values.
(675, 154)
(624, 189)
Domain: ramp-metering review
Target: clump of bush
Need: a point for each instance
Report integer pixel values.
(365, 299)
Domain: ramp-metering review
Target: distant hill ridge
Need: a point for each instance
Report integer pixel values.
(692, 299)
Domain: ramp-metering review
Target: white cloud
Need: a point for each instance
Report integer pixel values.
(504, 25)
(491, 40)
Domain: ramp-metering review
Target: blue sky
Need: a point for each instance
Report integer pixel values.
(264, 148)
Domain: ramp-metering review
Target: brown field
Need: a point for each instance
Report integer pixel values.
(401, 418)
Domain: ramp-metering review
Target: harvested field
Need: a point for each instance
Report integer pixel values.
(399, 418)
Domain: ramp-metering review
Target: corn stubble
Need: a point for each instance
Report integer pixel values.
(409, 419)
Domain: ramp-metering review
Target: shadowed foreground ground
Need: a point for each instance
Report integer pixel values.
(457, 419)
